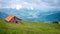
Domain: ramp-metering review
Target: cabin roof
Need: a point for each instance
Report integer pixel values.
(9, 18)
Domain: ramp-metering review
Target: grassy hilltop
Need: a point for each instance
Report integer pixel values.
(28, 28)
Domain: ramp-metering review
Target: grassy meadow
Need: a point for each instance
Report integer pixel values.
(27, 27)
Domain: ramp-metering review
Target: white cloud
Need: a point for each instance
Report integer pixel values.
(31, 4)
(14, 6)
(26, 3)
(18, 7)
(31, 8)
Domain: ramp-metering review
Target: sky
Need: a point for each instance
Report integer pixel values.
(29, 4)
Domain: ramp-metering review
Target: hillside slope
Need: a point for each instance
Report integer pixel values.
(28, 28)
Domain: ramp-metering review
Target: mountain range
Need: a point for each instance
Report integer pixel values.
(32, 15)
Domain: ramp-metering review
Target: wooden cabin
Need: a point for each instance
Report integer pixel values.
(13, 19)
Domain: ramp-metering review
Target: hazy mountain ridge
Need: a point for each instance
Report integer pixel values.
(3, 15)
(33, 15)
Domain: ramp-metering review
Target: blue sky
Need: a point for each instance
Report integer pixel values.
(29, 4)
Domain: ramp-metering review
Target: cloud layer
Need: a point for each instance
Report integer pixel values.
(29, 4)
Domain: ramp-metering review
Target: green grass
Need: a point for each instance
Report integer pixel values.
(27, 27)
